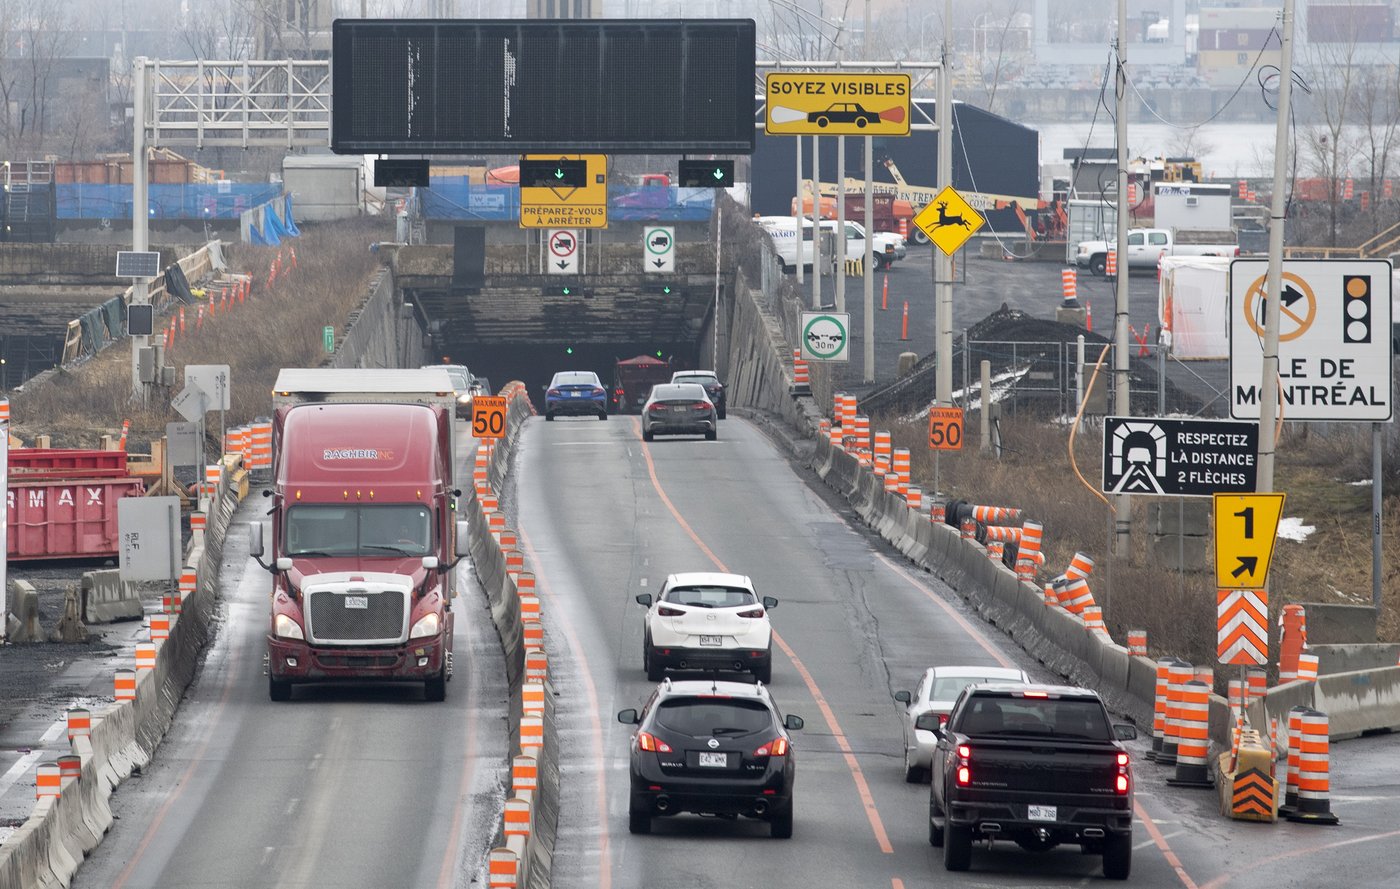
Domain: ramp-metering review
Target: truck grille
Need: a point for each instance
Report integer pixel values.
(331, 621)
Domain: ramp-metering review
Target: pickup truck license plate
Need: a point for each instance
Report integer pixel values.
(714, 760)
(357, 601)
(1040, 813)
(710, 640)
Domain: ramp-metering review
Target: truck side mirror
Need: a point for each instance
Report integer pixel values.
(255, 545)
(1124, 732)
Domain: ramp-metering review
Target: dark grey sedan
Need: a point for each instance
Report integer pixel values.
(679, 409)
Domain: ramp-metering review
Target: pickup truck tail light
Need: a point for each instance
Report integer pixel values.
(1123, 782)
(776, 747)
(964, 768)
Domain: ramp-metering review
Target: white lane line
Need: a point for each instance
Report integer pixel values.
(643, 581)
(268, 852)
(315, 761)
(291, 806)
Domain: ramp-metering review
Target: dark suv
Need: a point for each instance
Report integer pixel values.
(711, 747)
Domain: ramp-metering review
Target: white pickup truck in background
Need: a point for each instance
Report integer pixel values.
(1147, 245)
(886, 247)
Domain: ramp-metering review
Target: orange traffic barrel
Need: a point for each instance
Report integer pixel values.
(488, 500)
(1258, 682)
(47, 780)
(1292, 640)
(996, 515)
(1307, 668)
(938, 512)
(848, 411)
(862, 432)
(536, 666)
(901, 462)
(1080, 566)
(1051, 597)
(968, 529)
(1193, 740)
(1293, 744)
(503, 869)
(529, 607)
(1069, 284)
(198, 521)
(70, 766)
(1111, 265)
(509, 539)
(79, 723)
(995, 550)
(1002, 533)
(532, 699)
(1314, 801)
(892, 482)
(1026, 556)
(800, 376)
(517, 818)
(884, 446)
(160, 627)
(1137, 643)
(497, 523)
(1178, 674)
(261, 450)
(1093, 619)
(145, 656)
(515, 559)
(170, 601)
(1075, 596)
(914, 496)
(532, 633)
(525, 583)
(524, 774)
(126, 685)
(531, 734)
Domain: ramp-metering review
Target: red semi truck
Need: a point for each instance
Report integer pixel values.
(364, 533)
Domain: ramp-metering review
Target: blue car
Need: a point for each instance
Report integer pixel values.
(576, 393)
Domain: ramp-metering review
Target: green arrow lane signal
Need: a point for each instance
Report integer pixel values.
(558, 174)
(718, 173)
(567, 291)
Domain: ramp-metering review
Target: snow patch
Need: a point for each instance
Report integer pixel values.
(1292, 528)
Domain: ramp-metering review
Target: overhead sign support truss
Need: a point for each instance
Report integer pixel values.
(241, 104)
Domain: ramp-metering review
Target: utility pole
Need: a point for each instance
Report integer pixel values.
(1122, 504)
(1268, 388)
(869, 278)
(140, 213)
(942, 263)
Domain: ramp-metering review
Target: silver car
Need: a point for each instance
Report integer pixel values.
(936, 693)
(679, 409)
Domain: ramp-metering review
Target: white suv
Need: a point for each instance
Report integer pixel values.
(705, 620)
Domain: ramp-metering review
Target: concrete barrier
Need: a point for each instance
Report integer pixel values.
(106, 598)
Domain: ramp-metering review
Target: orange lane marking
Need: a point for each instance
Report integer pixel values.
(1225, 879)
(596, 724)
(896, 883)
(1162, 845)
(872, 814)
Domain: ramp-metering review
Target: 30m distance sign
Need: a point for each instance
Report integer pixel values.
(1181, 457)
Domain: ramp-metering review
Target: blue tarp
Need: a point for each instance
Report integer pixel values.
(78, 201)
(454, 198)
(289, 222)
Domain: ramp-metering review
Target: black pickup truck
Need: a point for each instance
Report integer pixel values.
(1039, 765)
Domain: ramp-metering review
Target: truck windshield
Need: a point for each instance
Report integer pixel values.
(359, 530)
(1059, 717)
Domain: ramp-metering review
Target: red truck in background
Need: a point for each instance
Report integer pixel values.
(633, 379)
(364, 533)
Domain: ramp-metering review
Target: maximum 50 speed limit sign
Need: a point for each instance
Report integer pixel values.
(945, 428)
(489, 416)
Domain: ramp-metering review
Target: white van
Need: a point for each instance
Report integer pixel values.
(887, 247)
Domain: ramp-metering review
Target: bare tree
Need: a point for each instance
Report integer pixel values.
(1377, 105)
(1327, 146)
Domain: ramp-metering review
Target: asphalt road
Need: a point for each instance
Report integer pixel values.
(605, 516)
(344, 786)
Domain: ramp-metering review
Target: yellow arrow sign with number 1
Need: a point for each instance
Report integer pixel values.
(1246, 526)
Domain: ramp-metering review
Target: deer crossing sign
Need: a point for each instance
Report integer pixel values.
(949, 220)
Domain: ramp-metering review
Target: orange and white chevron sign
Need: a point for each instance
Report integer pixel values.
(1242, 626)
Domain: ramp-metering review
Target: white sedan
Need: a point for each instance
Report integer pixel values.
(708, 621)
(936, 693)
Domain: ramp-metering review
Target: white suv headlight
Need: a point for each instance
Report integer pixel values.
(427, 625)
(286, 628)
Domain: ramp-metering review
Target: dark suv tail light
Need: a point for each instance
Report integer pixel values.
(649, 742)
(775, 747)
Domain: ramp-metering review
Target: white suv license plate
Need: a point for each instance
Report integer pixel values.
(1040, 813)
(714, 760)
(711, 640)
